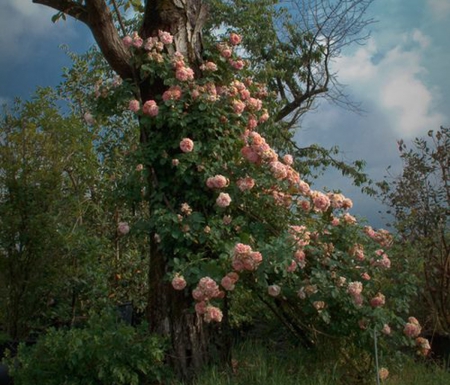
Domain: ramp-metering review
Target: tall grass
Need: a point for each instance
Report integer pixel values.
(259, 364)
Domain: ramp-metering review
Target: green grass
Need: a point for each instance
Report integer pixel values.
(256, 364)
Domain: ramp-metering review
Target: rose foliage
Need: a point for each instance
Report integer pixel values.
(230, 214)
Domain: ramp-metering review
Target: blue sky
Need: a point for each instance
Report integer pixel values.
(400, 77)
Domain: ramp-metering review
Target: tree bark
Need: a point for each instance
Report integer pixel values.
(169, 313)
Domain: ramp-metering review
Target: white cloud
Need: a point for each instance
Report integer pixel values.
(394, 83)
(439, 8)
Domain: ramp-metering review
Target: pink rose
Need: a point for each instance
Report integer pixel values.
(165, 37)
(274, 290)
(227, 283)
(383, 373)
(386, 330)
(184, 74)
(178, 282)
(217, 181)
(223, 200)
(123, 228)
(319, 305)
(245, 183)
(355, 288)
(235, 39)
(127, 41)
(173, 93)
(209, 66)
(150, 108)
(213, 314)
(378, 300)
(412, 330)
(186, 145)
(134, 105)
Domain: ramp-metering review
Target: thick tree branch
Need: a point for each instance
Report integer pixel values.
(68, 7)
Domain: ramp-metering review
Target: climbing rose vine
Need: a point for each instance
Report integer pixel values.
(232, 213)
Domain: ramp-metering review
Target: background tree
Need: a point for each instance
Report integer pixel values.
(420, 202)
(47, 166)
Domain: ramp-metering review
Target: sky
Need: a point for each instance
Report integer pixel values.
(399, 77)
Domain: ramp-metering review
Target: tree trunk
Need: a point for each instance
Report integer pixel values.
(169, 313)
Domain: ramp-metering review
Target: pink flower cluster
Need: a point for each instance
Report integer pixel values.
(383, 262)
(150, 108)
(244, 258)
(274, 290)
(178, 282)
(300, 235)
(424, 346)
(245, 184)
(382, 237)
(151, 43)
(173, 93)
(378, 300)
(339, 201)
(357, 251)
(206, 290)
(412, 328)
(223, 200)
(228, 282)
(186, 145)
(123, 228)
(217, 182)
(355, 290)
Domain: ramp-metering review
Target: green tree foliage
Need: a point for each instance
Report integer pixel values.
(420, 202)
(47, 164)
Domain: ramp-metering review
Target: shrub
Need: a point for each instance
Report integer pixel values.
(105, 351)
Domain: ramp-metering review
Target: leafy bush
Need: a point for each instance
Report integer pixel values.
(105, 351)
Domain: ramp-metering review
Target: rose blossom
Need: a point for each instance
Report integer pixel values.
(355, 288)
(178, 282)
(123, 228)
(228, 282)
(134, 105)
(383, 373)
(127, 41)
(235, 39)
(424, 346)
(274, 290)
(217, 181)
(150, 108)
(213, 314)
(288, 159)
(412, 328)
(386, 330)
(173, 93)
(165, 37)
(186, 209)
(184, 74)
(186, 145)
(378, 300)
(245, 183)
(209, 66)
(320, 200)
(88, 118)
(319, 305)
(223, 200)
